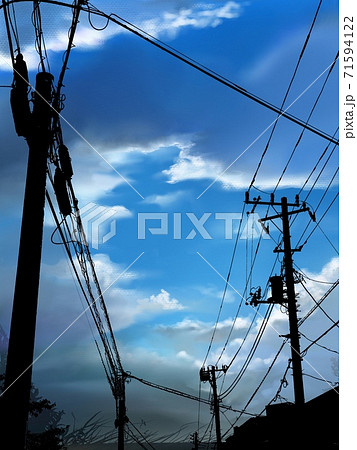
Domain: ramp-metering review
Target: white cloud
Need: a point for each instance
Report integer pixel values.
(161, 301)
(198, 16)
(159, 22)
(164, 199)
(126, 306)
(212, 291)
(189, 329)
(195, 167)
(107, 270)
(92, 185)
(101, 171)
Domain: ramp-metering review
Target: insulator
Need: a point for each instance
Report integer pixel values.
(61, 192)
(277, 289)
(42, 100)
(247, 197)
(21, 113)
(65, 161)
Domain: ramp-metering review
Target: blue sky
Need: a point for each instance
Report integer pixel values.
(170, 131)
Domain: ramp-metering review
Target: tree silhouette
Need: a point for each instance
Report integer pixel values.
(51, 435)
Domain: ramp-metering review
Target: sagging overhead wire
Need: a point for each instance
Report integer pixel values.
(112, 359)
(250, 354)
(248, 278)
(285, 96)
(322, 299)
(266, 149)
(140, 433)
(318, 223)
(259, 386)
(224, 293)
(180, 393)
(303, 353)
(191, 62)
(72, 30)
(315, 167)
(40, 44)
(319, 345)
(316, 303)
(307, 120)
(331, 383)
(134, 438)
(303, 274)
(5, 7)
(238, 310)
(125, 24)
(283, 383)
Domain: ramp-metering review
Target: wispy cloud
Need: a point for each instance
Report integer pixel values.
(167, 23)
(197, 16)
(165, 199)
(189, 166)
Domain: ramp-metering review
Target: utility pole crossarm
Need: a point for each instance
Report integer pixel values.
(289, 213)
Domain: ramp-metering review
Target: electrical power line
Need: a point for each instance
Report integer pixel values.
(196, 65)
(286, 95)
(323, 298)
(316, 303)
(259, 386)
(320, 337)
(307, 120)
(319, 345)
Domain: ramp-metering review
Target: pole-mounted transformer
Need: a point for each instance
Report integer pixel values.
(65, 161)
(60, 187)
(277, 290)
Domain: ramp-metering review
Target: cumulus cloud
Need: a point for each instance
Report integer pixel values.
(161, 301)
(126, 305)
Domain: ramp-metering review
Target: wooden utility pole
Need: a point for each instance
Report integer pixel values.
(17, 387)
(290, 288)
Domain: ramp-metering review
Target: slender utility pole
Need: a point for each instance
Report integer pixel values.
(293, 322)
(15, 400)
(210, 375)
(195, 440)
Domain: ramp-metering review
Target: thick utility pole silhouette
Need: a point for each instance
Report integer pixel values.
(289, 282)
(210, 375)
(122, 418)
(35, 127)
